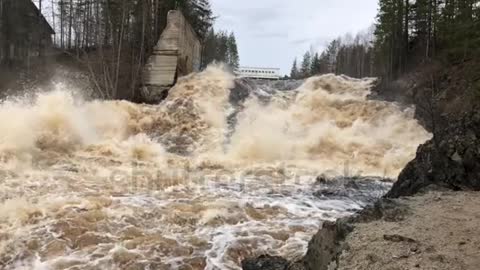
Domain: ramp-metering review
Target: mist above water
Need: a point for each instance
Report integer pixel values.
(202, 180)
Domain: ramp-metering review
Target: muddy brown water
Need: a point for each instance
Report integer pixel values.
(116, 185)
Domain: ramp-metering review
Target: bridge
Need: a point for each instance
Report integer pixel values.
(259, 73)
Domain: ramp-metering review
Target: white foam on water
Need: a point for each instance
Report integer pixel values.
(110, 184)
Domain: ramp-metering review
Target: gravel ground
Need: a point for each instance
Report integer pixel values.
(441, 231)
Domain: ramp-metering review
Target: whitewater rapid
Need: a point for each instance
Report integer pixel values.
(200, 181)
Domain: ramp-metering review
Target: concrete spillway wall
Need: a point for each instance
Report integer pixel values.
(177, 53)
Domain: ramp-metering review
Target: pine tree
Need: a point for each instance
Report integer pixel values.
(233, 57)
(306, 64)
(220, 47)
(331, 55)
(422, 23)
(395, 21)
(221, 54)
(386, 36)
(324, 63)
(316, 65)
(210, 48)
(294, 73)
(199, 14)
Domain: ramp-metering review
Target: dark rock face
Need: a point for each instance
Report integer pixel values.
(154, 94)
(241, 91)
(265, 262)
(384, 209)
(326, 245)
(363, 190)
(450, 160)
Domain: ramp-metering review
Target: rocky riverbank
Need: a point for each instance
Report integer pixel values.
(434, 230)
(450, 160)
(436, 226)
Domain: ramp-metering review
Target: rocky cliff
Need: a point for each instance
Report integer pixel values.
(450, 160)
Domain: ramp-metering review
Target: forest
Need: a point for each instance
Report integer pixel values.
(406, 34)
(114, 38)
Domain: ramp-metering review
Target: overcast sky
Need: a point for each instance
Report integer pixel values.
(271, 33)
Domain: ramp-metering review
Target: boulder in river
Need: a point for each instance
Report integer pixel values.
(265, 262)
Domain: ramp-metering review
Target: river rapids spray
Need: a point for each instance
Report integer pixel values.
(116, 185)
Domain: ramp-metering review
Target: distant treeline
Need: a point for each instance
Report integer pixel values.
(221, 47)
(407, 33)
(347, 55)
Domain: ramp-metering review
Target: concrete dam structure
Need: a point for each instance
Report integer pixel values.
(177, 53)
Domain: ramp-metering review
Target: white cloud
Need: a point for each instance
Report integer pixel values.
(274, 32)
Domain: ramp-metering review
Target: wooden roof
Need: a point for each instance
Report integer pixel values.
(43, 21)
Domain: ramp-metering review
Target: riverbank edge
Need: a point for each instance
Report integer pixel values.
(449, 161)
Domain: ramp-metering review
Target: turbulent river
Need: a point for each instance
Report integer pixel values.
(223, 169)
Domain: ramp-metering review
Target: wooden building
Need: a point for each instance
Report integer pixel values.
(25, 34)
